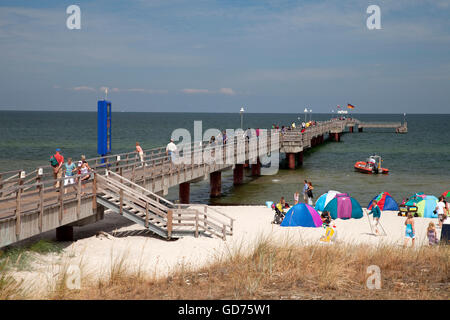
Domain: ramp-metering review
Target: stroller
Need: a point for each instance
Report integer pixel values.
(279, 215)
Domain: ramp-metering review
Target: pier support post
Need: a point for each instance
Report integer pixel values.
(238, 174)
(336, 137)
(215, 180)
(291, 160)
(256, 168)
(360, 129)
(350, 129)
(64, 233)
(184, 192)
(300, 158)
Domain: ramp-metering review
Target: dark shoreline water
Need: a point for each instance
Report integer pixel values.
(419, 161)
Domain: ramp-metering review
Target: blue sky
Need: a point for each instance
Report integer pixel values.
(216, 56)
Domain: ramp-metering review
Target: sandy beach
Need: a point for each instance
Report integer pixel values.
(140, 250)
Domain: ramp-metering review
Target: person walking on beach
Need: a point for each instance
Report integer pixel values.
(376, 215)
(296, 197)
(70, 169)
(410, 232)
(432, 234)
(305, 189)
(56, 161)
(171, 150)
(309, 193)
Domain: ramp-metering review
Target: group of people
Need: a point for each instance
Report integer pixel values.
(72, 172)
(442, 210)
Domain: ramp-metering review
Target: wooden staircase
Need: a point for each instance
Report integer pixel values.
(156, 213)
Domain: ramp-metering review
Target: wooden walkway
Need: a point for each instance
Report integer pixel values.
(30, 204)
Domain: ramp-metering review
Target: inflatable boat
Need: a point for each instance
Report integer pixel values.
(371, 166)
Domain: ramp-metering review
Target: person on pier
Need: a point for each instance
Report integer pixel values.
(171, 150)
(56, 161)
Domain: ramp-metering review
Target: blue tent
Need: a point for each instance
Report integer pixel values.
(302, 215)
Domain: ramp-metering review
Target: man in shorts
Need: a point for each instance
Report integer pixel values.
(171, 150)
(57, 167)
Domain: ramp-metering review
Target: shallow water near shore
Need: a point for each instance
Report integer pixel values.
(418, 161)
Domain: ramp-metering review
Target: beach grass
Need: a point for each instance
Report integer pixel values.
(267, 270)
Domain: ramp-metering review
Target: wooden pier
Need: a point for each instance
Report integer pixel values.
(30, 204)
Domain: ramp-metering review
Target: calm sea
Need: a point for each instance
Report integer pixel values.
(419, 161)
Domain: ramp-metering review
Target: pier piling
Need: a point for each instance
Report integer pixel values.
(238, 174)
(64, 233)
(184, 192)
(291, 160)
(215, 179)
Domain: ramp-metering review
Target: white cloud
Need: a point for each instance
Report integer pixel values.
(227, 91)
(148, 91)
(195, 91)
(84, 88)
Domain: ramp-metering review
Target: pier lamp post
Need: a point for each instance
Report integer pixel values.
(242, 117)
(306, 112)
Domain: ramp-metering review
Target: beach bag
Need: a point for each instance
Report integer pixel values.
(53, 161)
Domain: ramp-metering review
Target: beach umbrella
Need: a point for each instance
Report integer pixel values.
(385, 202)
(323, 200)
(344, 207)
(446, 194)
(302, 215)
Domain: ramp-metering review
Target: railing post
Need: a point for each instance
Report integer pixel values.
(169, 223)
(41, 202)
(94, 194)
(121, 201)
(196, 224)
(61, 198)
(79, 198)
(18, 208)
(146, 214)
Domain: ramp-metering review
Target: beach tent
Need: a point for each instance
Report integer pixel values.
(323, 200)
(426, 207)
(344, 207)
(302, 215)
(385, 202)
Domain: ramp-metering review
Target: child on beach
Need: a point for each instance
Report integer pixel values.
(309, 193)
(410, 232)
(326, 218)
(431, 234)
(296, 197)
